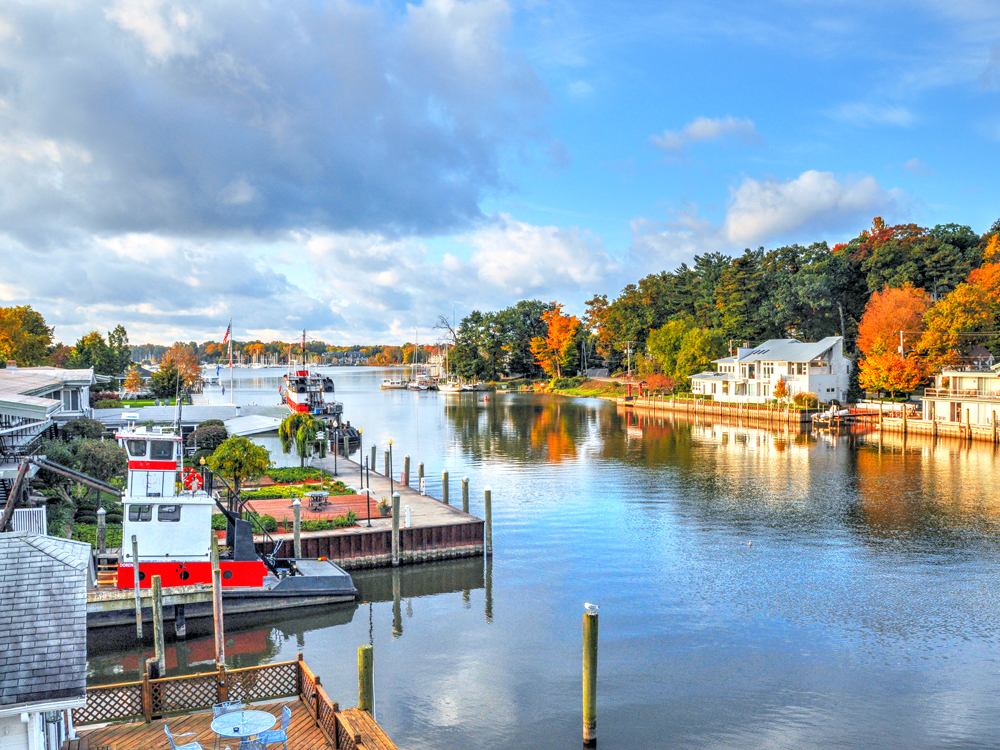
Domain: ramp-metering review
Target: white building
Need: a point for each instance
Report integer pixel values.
(751, 375)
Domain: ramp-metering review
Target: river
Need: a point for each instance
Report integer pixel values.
(757, 589)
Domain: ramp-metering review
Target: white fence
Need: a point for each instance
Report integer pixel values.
(31, 520)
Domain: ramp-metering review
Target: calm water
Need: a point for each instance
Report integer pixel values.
(864, 614)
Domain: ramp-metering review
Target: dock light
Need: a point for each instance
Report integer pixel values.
(202, 460)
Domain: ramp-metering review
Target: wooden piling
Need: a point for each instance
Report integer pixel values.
(135, 582)
(387, 469)
(395, 529)
(994, 427)
(297, 527)
(158, 644)
(421, 486)
(406, 471)
(347, 447)
(444, 488)
(465, 494)
(488, 526)
(180, 622)
(590, 679)
(366, 679)
(372, 464)
(102, 530)
(220, 630)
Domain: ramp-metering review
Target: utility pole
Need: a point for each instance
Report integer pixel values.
(901, 355)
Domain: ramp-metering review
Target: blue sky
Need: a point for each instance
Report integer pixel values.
(359, 168)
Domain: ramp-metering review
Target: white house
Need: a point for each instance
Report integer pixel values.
(751, 375)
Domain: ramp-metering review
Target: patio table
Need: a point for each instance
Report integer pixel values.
(243, 723)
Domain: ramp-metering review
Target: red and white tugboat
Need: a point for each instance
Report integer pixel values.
(169, 511)
(311, 392)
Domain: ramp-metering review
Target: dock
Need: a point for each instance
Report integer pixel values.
(437, 530)
(757, 414)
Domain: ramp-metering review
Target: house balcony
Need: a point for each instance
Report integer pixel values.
(957, 395)
(184, 704)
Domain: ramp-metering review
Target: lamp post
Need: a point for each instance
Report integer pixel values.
(390, 467)
(361, 452)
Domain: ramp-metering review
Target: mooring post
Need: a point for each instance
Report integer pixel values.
(220, 630)
(347, 447)
(397, 610)
(590, 679)
(395, 528)
(161, 660)
(135, 581)
(387, 470)
(488, 526)
(180, 622)
(420, 479)
(366, 679)
(406, 471)
(102, 530)
(994, 427)
(465, 494)
(373, 458)
(297, 527)
(444, 488)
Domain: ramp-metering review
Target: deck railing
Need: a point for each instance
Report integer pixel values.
(961, 394)
(147, 699)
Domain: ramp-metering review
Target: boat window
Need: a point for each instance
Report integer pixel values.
(137, 448)
(163, 450)
(168, 513)
(140, 513)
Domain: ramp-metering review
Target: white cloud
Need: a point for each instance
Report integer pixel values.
(521, 259)
(163, 28)
(917, 168)
(706, 129)
(759, 211)
(863, 114)
(580, 89)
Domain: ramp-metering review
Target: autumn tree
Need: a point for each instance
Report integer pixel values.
(973, 307)
(24, 337)
(185, 360)
(134, 382)
(780, 391)
(556, 350)
(892, 316)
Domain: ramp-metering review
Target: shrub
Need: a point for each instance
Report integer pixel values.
(103, 396)
(108, 403)
(806, 400)
(211, 423)
(198, 455)
(273, 493)
(294, 474)
(339, 522)
(218, 522)
(87, 532)
(208, 437)
(270, 523)
(82, 428)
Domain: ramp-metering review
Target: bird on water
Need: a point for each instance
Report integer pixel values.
(590, 607)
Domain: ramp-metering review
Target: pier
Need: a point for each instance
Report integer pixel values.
(437, 530)
(756, 414)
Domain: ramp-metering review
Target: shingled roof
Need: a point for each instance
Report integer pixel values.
(43, 618)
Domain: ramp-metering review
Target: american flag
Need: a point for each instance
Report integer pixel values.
(228, 331)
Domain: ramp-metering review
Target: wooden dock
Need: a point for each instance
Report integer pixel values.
(759, 415)
(437, 530)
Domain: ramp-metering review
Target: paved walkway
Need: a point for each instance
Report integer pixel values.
(424, 509)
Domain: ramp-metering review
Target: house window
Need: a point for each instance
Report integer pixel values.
(71, 399)
(767, 369)
(168, 513)
(800, 368)
(725, 387)
(791, 368)
(751, 369)
(140, 513)
(955, 414)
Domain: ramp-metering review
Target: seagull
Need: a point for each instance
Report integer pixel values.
(749, 544)
(590, 607)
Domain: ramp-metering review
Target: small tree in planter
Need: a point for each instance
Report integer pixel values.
(384, 508)
(780, 390)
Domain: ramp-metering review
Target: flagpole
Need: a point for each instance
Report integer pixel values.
(231, 362)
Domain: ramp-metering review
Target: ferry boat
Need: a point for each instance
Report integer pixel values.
(171, 521)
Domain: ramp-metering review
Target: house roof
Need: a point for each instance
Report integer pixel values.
(786, 350)
(709, 375)
(192, 414)
(43, 618)
(33, 380)
(253, 424)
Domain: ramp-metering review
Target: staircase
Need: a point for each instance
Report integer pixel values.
(107, 571)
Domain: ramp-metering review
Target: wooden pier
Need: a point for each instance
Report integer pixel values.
(437, 530)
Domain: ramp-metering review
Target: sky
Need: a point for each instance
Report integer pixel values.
(357, 169)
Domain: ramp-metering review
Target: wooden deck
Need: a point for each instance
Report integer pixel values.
(303, 732)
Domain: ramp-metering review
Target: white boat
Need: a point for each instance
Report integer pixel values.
(393, 385)
(450, 387)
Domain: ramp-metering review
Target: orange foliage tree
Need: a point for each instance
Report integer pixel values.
(185, 361)
(971, 307)
(780, 390)
(888, 313)
(557, 349)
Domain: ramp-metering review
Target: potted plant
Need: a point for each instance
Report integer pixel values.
(384, 508)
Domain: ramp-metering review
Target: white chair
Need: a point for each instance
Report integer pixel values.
(274, 736)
